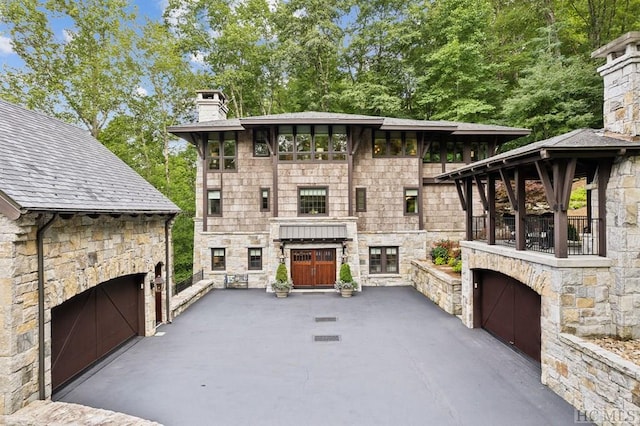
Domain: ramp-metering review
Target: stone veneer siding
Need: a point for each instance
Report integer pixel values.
(602, 386)
(80, 253)
(441, 288)
(412, 245)
(623, 245)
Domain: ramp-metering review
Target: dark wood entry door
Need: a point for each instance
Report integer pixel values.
(313, 267)
(511, 311)
(92, 324)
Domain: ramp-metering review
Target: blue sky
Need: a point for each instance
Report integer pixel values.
(151, 9)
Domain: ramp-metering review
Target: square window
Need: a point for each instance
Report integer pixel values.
(312, 201)
(218, 259)
(383, 260)
(255, 259)
(214, 205)
(411, 201)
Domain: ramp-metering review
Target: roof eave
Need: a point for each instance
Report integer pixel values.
(8, 207)
(420, 128)
(505, 132)
(311, 120)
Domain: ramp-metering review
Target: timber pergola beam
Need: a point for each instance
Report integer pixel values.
(556, 163)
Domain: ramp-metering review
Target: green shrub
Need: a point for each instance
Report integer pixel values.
(457, 267)
(439, 252)
(452, 261)
(281, 273)
(345, 273)
(440, 261)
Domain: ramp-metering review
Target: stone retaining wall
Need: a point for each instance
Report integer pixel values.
(443, 289)
(602, 386)
(181, 301)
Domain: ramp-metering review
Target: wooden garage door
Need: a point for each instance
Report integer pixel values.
(90, 325)
(511, 311)
(313, 267)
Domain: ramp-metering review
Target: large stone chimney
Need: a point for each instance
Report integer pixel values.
(211, 105)
(621, 76)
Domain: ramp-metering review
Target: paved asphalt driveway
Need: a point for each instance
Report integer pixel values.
(243, 357)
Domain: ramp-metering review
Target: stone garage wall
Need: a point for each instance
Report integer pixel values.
(80, 253)
(443, 289)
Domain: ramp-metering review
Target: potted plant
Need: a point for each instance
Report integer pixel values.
(282, 285)
(345, 285)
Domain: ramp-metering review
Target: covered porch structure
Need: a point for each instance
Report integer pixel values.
(556, 163)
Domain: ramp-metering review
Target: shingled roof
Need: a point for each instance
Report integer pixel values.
(48, 165)
(186, 131)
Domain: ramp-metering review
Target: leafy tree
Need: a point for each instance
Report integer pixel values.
(85, 74)
(556, 94)
(459, 82)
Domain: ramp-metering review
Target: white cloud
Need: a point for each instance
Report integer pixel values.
(6, 47)
(197, 58)
(141, 91)
(67, 35)
(300, 13)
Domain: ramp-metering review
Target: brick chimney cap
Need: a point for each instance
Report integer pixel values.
(618, 45)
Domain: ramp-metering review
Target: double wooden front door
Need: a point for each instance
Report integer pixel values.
(313, 267)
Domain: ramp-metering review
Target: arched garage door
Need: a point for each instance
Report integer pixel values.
(90, 325)
(510, 311)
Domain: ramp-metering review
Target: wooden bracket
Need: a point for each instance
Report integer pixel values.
(507, 184)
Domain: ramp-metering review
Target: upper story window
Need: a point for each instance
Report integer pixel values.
(312, 143)
(395, 144)
(223, 152)
(456, 151)
(479, 151)
(312, 201)
(265, 204)
(361, 199)
(411, 201)
(214, 202)
(261, 143)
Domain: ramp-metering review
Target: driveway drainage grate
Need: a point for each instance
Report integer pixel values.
(326, 319)
(327, 338)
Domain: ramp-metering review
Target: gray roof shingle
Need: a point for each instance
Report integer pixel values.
(315, 117)
(48, 165)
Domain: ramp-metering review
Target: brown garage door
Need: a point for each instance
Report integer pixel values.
(90, 325)
(511, 311)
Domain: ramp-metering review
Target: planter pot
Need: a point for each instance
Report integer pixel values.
(282, 293)
(346, 292)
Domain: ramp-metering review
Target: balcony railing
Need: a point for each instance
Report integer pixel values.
(184, 284)
(539, 233)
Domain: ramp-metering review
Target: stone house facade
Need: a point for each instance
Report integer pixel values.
(82, 237)
(548, 299)
(314, 190)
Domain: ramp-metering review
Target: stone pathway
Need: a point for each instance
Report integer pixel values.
(49, 413)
